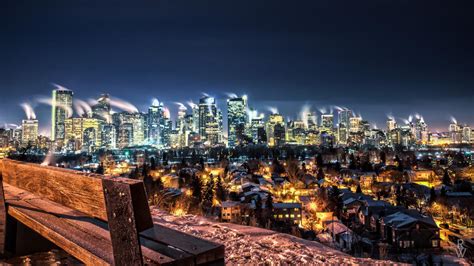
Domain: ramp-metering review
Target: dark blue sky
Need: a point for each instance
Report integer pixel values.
(376, 57)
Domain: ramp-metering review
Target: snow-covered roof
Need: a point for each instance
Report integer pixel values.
(286, 205)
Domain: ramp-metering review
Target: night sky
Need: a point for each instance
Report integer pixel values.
(375, 57)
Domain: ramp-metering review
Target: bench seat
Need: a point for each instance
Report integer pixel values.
(88, 239)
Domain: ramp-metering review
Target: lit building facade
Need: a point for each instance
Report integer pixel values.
(61, 107)
(29, 133)
(210, 121)
(236, 120)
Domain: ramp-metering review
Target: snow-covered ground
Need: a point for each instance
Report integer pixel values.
(246, 245)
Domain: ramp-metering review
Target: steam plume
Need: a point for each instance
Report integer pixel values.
(30, 113)
(123, 105)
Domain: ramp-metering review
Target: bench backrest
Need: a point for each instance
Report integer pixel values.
(121, 202)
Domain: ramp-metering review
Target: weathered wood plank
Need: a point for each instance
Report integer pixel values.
(203, 250)
(72, 241)
(67, 187)
(97, 231)
(122, 223)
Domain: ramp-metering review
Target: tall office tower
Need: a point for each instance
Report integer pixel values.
(466, 134)
(454, 129)
(312, 121)
(343, 117)
(275, 130)
(84, 132)
(125, 135)
(355, 124)
(236, 120)
(391, 124)
(327, 123)
(195, 114)
(257, 129)
(421, 130)
(29, 133)
(188, 129)
(102, 108)
(342, 134)
(155, 117)
(210, 125)
(123, 121)
(109, 136)
(61, 110)
(166, 128)
(180, 119)
(180, 126)
(296, 132)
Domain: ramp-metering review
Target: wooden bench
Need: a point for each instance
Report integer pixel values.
(99, 220)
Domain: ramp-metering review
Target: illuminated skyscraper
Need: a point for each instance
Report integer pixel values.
(85, 132)
(236, 120)
(210, 121)
(421, 130)
(344, 117)
(166, 128)
(109, 136)
(391, 124)
(327, 123)
(276, 130)
(102, 108)
(455, 132)
(257, 129)
(466, 134)
(355, 124)
(29, 133)
(130, 127)
(61, 109)
(155, 117)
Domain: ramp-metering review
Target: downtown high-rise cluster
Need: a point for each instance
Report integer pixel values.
(96, 125)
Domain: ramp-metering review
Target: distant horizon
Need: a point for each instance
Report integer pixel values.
(43, 111)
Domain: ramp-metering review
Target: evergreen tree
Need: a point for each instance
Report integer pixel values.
(221, 194)
(258, 211)
(383, 157)
(197, 188)
(145, 170)
(446, 179)
(443, 192)
(201, 163)
(399, 163)
(335, 200)
(432, 195)
(320, 174)
(277, 168)
(100, 169)
(352, 162)
(319, 160)
(269, 210)
(158, 184)
(153, 163)
(209, 194)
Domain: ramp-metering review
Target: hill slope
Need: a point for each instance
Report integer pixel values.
(251, 245)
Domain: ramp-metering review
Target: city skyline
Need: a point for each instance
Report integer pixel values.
(41, 106)
(307, 54)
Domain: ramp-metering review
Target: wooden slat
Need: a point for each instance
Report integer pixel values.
(97, 238)
(66, 187)
(122, 223)
(204, 251)
(71, 240)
